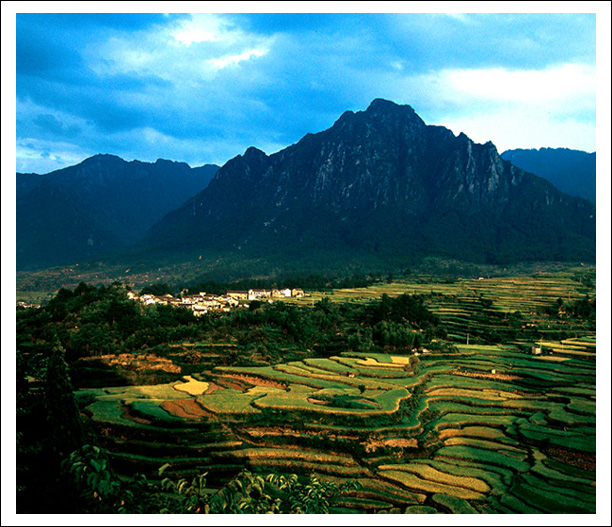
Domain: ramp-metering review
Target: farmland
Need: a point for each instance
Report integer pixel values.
(491, 445)
(456, 415)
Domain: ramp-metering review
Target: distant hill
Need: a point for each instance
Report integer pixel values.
(571, 171)
(379, 187)
(97, 207)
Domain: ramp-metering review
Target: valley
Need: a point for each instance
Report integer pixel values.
(307, 263)
(418, 395)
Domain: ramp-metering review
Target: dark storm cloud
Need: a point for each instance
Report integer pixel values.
(201, 88)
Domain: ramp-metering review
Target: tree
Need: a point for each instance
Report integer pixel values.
(67, 431)
(157, 290)
(254, 305)
(94, 482)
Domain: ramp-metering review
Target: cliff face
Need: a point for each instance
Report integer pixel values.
(383, 181)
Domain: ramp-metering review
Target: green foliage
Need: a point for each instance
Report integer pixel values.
(310, 282)
(99, 490)
(92, 321)
(65, 423)
(454, 504)
(401, 309)
(349, 401)
(96, 484)
(395, 335)
(549, 404)
(311, 496)
(188, 497)
(584, 309)
(249, 493)
(158, 289)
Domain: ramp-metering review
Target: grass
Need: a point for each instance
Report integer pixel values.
(584, 391)
(429, 473)
(538, 494)
(415, 483)
(483, 455)
(578, 438)
(494, 446)
(460, 393)
(490, 478)
(517, 506)
(470, 407)
(420, 509)
(560, 414)
(150, 409)
(454, 504)
(467, 444)
(568, 470)
(458, 420)
(255, 454)
(231, 401)
(542, 469)
(479, 432)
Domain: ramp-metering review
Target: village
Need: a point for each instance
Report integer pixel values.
(202, 303)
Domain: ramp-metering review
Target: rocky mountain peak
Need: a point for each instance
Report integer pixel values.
(254, 154)
(382, 180)
(381, 108)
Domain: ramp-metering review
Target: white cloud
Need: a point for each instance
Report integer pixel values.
(516, 127)
(553, 107)
(41, 157)
(194, 89)
(553, 85)
(155, 137)
(190, 52)
(232, 60)
(189, 36)
(461, 17)
(202, 27)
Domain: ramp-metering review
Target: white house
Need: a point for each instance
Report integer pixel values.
(238, 295)
(256, 294)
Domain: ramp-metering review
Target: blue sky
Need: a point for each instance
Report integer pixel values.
(203, 87)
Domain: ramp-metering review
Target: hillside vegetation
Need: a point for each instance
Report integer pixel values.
(415, 396)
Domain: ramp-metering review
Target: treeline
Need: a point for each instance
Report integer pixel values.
(312, 282)
(94, 321)
(91, 321)
(584, 309)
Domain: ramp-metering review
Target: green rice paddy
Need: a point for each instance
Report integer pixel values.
(488, 428)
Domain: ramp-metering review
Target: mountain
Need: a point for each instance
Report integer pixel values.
(571, 171)
(97, 207)
(380, 187)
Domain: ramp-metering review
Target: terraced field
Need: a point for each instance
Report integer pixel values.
(470, 308)
(448, 437)
(480, 428)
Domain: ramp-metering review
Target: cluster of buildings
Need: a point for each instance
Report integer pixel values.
(202, 303)
(266, 294)
(21, 304)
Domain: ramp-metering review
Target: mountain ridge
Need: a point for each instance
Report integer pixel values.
(381, 181)
(379, 188)
(571, 171)
(97, 207)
